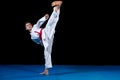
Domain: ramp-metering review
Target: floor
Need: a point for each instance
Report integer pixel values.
(60, 72)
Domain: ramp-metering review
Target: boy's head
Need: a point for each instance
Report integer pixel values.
(28, 26)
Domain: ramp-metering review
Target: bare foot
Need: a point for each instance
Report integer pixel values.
(56, 3)
(45, 72)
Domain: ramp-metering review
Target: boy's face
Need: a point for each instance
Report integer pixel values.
(28, 26)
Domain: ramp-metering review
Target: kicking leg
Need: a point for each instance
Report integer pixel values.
(52, 22)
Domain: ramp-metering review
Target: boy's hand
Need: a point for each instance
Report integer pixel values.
(46, 16)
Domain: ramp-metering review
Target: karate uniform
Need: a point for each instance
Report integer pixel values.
(47, 35)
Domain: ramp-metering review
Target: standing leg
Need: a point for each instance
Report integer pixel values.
(47, 55)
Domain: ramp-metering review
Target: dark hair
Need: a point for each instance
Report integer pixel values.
(27, 22)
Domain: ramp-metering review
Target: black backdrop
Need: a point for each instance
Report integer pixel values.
(83, 34)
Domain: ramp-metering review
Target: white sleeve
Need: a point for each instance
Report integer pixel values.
(40, 22)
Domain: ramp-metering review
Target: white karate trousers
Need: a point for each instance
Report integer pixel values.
(48, 37)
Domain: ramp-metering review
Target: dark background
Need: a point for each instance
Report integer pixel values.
(83, 34)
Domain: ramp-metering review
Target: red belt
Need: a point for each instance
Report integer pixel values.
(40, 33)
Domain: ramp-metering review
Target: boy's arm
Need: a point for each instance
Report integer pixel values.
(42, 20)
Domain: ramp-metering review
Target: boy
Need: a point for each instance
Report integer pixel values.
(45, 36)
